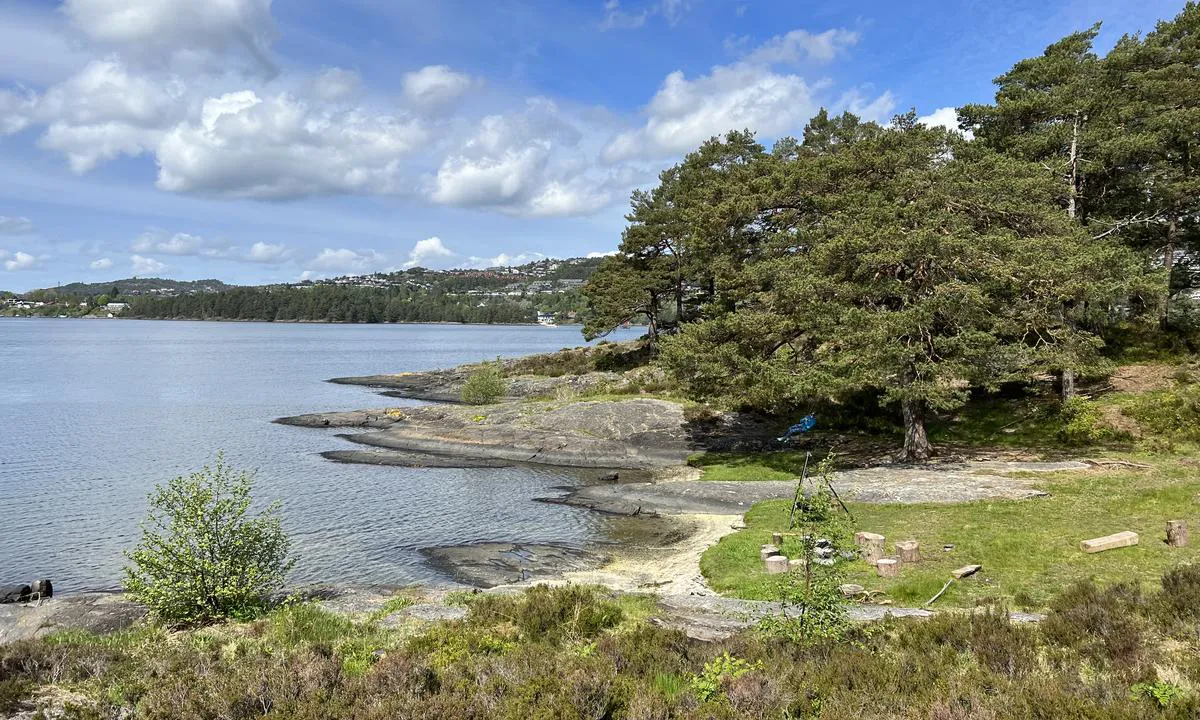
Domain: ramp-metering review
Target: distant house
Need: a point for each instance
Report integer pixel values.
(116, 307)
(545, 318)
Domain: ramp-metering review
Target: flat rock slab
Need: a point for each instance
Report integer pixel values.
(490, 564)
(400, 458)
(93, 612)
(887, 484)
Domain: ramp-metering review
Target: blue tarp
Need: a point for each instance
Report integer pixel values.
(806, 424)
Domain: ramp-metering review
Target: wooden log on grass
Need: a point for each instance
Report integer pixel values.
(767, 551)
(1109, 542)
(871, 544)
(777, 539)
(777, 564)
(887, 567)
(909, 551)
(1177, 533)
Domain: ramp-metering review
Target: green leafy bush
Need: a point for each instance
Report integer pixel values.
(203, 556)
(1161, 692)
(1173, 414)
(484, 386)
(1083, 423)
(722, 669)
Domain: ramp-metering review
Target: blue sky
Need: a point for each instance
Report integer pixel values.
(260, 142)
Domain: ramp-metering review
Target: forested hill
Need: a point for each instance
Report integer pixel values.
(549, 288)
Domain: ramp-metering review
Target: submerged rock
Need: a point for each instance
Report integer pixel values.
(490, 564)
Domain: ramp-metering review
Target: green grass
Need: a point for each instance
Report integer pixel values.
(1029, 549)
(1029, 422)
(778, 465)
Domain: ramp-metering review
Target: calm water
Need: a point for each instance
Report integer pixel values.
(94, 412)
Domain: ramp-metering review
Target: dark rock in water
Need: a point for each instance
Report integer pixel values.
(42, 589)
(492, 564)
(399, 458)
(610, 477)
(14, 593)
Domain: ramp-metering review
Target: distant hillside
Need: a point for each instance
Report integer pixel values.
(134, 287)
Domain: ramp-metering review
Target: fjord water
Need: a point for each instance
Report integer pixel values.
(95, 412)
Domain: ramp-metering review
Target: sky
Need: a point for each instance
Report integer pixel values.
(257, 142)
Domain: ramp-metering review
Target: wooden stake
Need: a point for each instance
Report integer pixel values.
(1177, 533)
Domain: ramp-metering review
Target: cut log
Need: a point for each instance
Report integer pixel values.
(767, 551)
(887, 567)
(777, 539)
(871, 544)
(796, 565)
(908, 550)
(966, 571)
(1177, 533)
(851, 589)
(777, 564)
(1109, 542)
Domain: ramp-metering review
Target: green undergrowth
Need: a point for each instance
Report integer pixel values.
(778, 465)
(1104, 653)
(1029, 549)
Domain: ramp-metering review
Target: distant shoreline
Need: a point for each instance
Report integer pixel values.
(291, 322)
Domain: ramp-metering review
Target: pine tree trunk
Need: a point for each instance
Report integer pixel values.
(1169, 264)
(916, 442)
(1068, 384)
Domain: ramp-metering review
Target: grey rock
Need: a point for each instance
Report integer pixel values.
(93, 612)
(490, 564)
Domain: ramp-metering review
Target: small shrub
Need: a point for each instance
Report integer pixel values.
(1083, 423)
(1161, 692)
(203, 556)
(543, 613)
(722, 669)
(1173, 414)
(1000, 645)
(484, 386)
(1180, 596)
(1102, 624)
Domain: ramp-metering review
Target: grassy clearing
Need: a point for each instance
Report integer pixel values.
(779, 465)
(1029, 548)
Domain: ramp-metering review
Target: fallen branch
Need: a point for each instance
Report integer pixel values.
(1116, 463)
(940, 592)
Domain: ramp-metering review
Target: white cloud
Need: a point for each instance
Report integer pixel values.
(602, 254)
(346, 261)
(748, 94)
(101, 264)
(146, 265)
(425, 250)
(16, 111)
(799, 45)
(262, 252)
(105, 111)
(877, 109)
(15, 225)
(435, 86)
(160, 241)
(946, 117)
(334, 84)
(526, 163)
(174, 26)
(504, 260)
(14, 262)
(279, 147)
(616, 18)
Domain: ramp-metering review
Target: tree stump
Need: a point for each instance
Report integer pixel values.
(797, 564)
(909, 551)
(777, 539)
(767, 551)
(871, 544)
(777, 564)
(1177, 533)
(887, 567)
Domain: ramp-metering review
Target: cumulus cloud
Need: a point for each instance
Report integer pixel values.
(16, 111)
(504, 260)
(279, 147)
(334, 84)
(527, 163)
(946, 117)
(146, 265)
(750, 93)
(163, 242)
(261, 252)
(425, 250)
(105, 111)
(14, 262)
(173, 26)
(15, 225)
(602, 254)
(344, 260)
(435, 86)
(101, 264)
